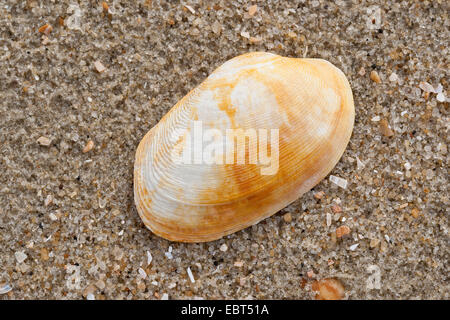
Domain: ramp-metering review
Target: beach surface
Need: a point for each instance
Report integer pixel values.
(81, 84)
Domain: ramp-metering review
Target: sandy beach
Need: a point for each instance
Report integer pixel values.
(81, 84)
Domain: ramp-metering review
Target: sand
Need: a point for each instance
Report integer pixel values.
(68, 225)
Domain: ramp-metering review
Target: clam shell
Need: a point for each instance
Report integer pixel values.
(308, 101)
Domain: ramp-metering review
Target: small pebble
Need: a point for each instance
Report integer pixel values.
(44, 254)
(45, 40)
(100, 284)
(20, 256)
(238, 264)
(105, 7)
(383, 246)
(336, 209)
(362, 71)
(404, 205)
(292, 35)
(141, 286)
(384, 128)
(393, 77)
(319, 195)
(45, 29)
(44, 141)
(88, 147)
(342, 231)
(245, 34)
(255, 40)
(99, 66)
(53, 217)
(73, 22)
(117, 253)
(375, 77)
(223, 247)
(328, 289)
(89, 290)
(48, 200)
(287, 217)
(415, 213)
(216, 27)
(172, 285)
(252, 10)
(165, 296)
(374, 242)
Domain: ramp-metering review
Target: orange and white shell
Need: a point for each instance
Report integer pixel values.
(308, 102)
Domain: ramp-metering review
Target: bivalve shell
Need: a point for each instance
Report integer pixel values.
(253, 137)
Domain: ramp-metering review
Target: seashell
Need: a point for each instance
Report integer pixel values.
(190, 187)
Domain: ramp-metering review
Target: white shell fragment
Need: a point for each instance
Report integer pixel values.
(165, 296)
(149, 258)
(359, 164)
(74, 21)
(142, 273)
(440, 97)
(20, 256)
(44, 141)
(425, 86)
(328, 219)
(339, 181)
(189, 8)
(393, 77)
(191, 276)
(5, 289)
(168, 254)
